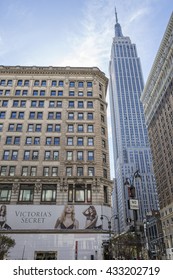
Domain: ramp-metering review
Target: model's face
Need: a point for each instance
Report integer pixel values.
(69, 209)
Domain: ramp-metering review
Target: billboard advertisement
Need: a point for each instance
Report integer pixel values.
(16, 217)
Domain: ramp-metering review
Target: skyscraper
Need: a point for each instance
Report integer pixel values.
(130, 139)
(54, 169)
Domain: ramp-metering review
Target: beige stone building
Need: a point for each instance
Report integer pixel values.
(54, 152)
(157, 99)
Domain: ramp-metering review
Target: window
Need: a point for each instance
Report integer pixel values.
(19, 82)
(9, 140)
(54, 171)
(7, 92)
(71, 104)
(55, 155)
(9, 83)
(36, 140)
(80, 104)
(102, 118)
(59, 104)
(79, 171)
(80, 84)
(104, 173)
(103, 144)
(41, 104)
(48, 193)
(11, 127)
(104, 158)
(90, 141)
(53, 93)
(46, 171)
(47, 155)
(105, 190)
(54, 83)
(50, 115)
(33, 103)
(80, 93)
(33, 171)
(13, 115)
(89, 93)
(38, 127)
(80, 141)
(57, 128)
(90, 155)
(4, 103)
(12, 170)
(17, 92)
(71, 116)
(42, 92)
(68, 171)
(80, 116)
(39, 115)
(43, 83)
(69, 155)
(49, 127)
(71, 93)
(60, 93)
(21, 115)
(35, 93)
(35, 155)
(19, 127)
(61, 83)
(90, 128)
(6, 155)
(89, 84)
(14, 155)
(5, 192)
(80, 128)
(56, 141)
(79, 193)
(103, 131)
(2, 82)
(90, 116)
(90, 171)
(69, 141)
(48, 140)
(26, 83)
(32, 115)
(89, 104)
(1, 126)
(3, 170)
(36, 83)
(72, 84)
(26, 193)
(25, 171)
(80, 155)
(70, 128)
(58, 115)
(2, 115)
(51, 104)
(24, 92)
(28, 141)
(26, 155)
(30, 127)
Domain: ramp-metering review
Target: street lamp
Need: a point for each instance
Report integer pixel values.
(110, 226)
(133, 202)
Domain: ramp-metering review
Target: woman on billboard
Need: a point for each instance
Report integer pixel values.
(67, 219)
(91, 217)
(3, 213)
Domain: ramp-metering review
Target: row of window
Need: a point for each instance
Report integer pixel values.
(76, 193)
(40, 104)
(48, 171)
(51, 115)
(50, 155)
(43, 83)
(25, 92)
(80, 141)
(51, 128)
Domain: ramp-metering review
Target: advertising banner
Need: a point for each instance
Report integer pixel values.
(16, 217)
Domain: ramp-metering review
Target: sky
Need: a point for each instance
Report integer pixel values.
(79, 32)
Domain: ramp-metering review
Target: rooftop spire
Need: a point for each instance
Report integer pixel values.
(118, 31)
(116, 17)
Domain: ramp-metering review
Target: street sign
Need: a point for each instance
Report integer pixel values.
(133, 204)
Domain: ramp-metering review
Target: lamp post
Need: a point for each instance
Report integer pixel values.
(110, 227)
(133, 202)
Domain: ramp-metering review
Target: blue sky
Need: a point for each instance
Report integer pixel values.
(78, 32)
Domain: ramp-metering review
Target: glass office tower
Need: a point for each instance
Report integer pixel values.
(130, 139)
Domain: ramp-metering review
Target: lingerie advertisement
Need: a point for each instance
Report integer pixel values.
(17, 217)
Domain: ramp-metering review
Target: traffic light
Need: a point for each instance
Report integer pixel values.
(131, 191)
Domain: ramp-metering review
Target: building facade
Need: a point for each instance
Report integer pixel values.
(157, 99)
(54, 171)
(130, 139)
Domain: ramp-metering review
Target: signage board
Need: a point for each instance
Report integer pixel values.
(133, 204)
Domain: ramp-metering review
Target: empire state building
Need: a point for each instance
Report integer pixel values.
(131, 150)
